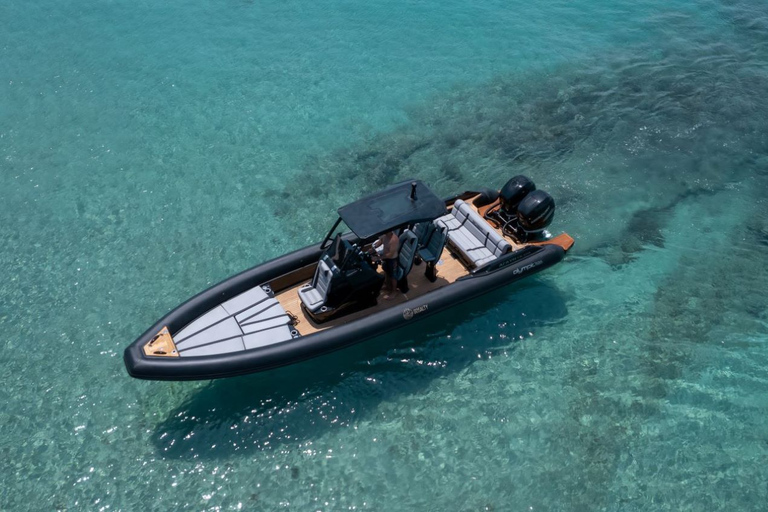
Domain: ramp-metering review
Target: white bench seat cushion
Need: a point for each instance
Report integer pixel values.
(472, 236)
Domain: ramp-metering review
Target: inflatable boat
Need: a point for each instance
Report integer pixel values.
(329, 295)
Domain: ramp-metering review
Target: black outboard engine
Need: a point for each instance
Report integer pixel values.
(523, 212)
(515, 191)
(534, 213)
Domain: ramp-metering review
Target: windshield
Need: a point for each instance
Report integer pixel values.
(338, 229)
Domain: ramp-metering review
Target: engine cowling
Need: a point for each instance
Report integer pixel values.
(514, 191)
(535, 211)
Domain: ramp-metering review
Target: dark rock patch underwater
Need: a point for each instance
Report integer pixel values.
(623, 137)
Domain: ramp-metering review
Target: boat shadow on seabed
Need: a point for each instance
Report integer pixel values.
(298, 403)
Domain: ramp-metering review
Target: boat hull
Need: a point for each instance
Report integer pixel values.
(500, 272)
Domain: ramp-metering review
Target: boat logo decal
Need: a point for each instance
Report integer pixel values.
(527, 267)
(408, 312)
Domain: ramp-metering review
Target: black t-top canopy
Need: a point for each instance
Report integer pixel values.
(404, 203)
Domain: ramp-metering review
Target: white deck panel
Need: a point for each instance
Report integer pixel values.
(265, 309)
(212, 316)
(223, 347)
(268, 337)
(249, 320)
(222, 330)
(244, 300)
(266, 324)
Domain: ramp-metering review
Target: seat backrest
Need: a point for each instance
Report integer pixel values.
(409, 244)
(436, 241)
(423, 230)
(323, 277)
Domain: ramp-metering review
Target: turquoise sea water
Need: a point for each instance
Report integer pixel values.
(149, 150)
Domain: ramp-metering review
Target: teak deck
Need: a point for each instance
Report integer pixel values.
(161, 345)
(449, 269)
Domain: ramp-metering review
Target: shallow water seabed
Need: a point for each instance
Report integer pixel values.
(614, 137)
(595, 379)
(577, 433)
(642, 380)
(143, 160)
